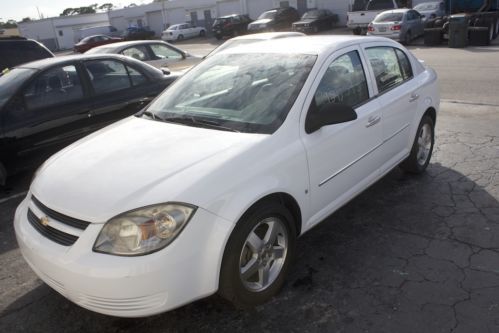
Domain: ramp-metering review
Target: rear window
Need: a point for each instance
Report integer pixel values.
(379, 4)
(13, 53)
(389, 17)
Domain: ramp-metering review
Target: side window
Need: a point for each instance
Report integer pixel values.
(136, 77)
(54, 86)
(136, 52)
(164, 52)
(385, 65)
(405, 64)
(343, 83)
(107, 76)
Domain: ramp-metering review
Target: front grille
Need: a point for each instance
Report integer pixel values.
(75, 223)
(50, 232)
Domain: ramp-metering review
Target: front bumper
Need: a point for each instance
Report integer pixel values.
(186, 270)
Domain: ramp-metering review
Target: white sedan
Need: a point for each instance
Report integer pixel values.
(182, 31)
(209, 187)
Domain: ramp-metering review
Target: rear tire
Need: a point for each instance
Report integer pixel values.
(218, 36)
(422, 148)
(356, 31)
(202, 33)
(180, 37)
(258, 255)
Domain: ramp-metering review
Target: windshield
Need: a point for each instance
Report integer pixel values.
(389, 17)
(11, 80)
(426, 6)
(380, 4)
(311, 14)
(267, 15)
(250, 93)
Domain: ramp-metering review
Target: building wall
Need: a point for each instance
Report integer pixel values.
(337, 7)
(228, 8)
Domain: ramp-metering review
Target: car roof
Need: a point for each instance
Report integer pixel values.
(49, 62)
(116, 47)
(270, 35)
(315, 45)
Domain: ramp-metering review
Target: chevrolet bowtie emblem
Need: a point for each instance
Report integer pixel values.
(44, 221)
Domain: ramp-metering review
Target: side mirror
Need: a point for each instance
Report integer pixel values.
(166, 70)
(328, 114)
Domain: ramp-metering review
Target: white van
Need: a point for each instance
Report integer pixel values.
(108, 30)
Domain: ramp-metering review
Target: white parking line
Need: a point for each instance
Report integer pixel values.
(13, 197)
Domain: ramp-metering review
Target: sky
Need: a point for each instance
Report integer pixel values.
(18, 9)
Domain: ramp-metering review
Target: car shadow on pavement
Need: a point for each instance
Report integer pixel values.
(410, 254)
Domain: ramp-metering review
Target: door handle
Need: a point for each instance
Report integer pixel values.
(414, 97)
(373, 120)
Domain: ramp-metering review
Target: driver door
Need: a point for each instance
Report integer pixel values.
(343, 158)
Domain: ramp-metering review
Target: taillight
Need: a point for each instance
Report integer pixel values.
(396, 27)
(370, 28)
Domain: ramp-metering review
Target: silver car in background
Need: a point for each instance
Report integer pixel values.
(402, 25)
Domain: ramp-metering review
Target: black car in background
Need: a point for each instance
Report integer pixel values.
(231, 25)
(19, 50)
(134, 33)
(315, 20)
(47, 104)
(277, 19)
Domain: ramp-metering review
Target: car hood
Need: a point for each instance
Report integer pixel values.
(262, 21)
(134, 163)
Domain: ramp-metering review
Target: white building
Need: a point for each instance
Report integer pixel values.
(62, 32)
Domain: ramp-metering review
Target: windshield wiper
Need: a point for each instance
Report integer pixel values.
(151, 115)
(198, 122)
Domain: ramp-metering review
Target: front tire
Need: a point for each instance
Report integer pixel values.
(202, 33)
(258, 255)
(422, 148)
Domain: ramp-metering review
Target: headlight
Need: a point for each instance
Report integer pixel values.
(144, 230)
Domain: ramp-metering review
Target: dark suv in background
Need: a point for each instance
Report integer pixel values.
(275, 20)
(231, 25)
(19, 50)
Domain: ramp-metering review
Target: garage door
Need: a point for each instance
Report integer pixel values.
(155, 22)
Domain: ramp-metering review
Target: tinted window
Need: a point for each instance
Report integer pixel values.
(136, 52)
(136, 77)
(55, 86)
(379, 4)
(107, 75)
(344, 82)
(389, 17)
(164, 52)
(405, 64)
(386, 67)
(11, 80)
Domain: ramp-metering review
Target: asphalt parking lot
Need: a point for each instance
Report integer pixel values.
(410, 254)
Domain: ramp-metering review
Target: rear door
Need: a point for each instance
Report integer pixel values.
(50, 111)
(343, 158)
(398, 93)
(118, 90)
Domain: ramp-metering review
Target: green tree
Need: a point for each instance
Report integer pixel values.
(106, 6)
